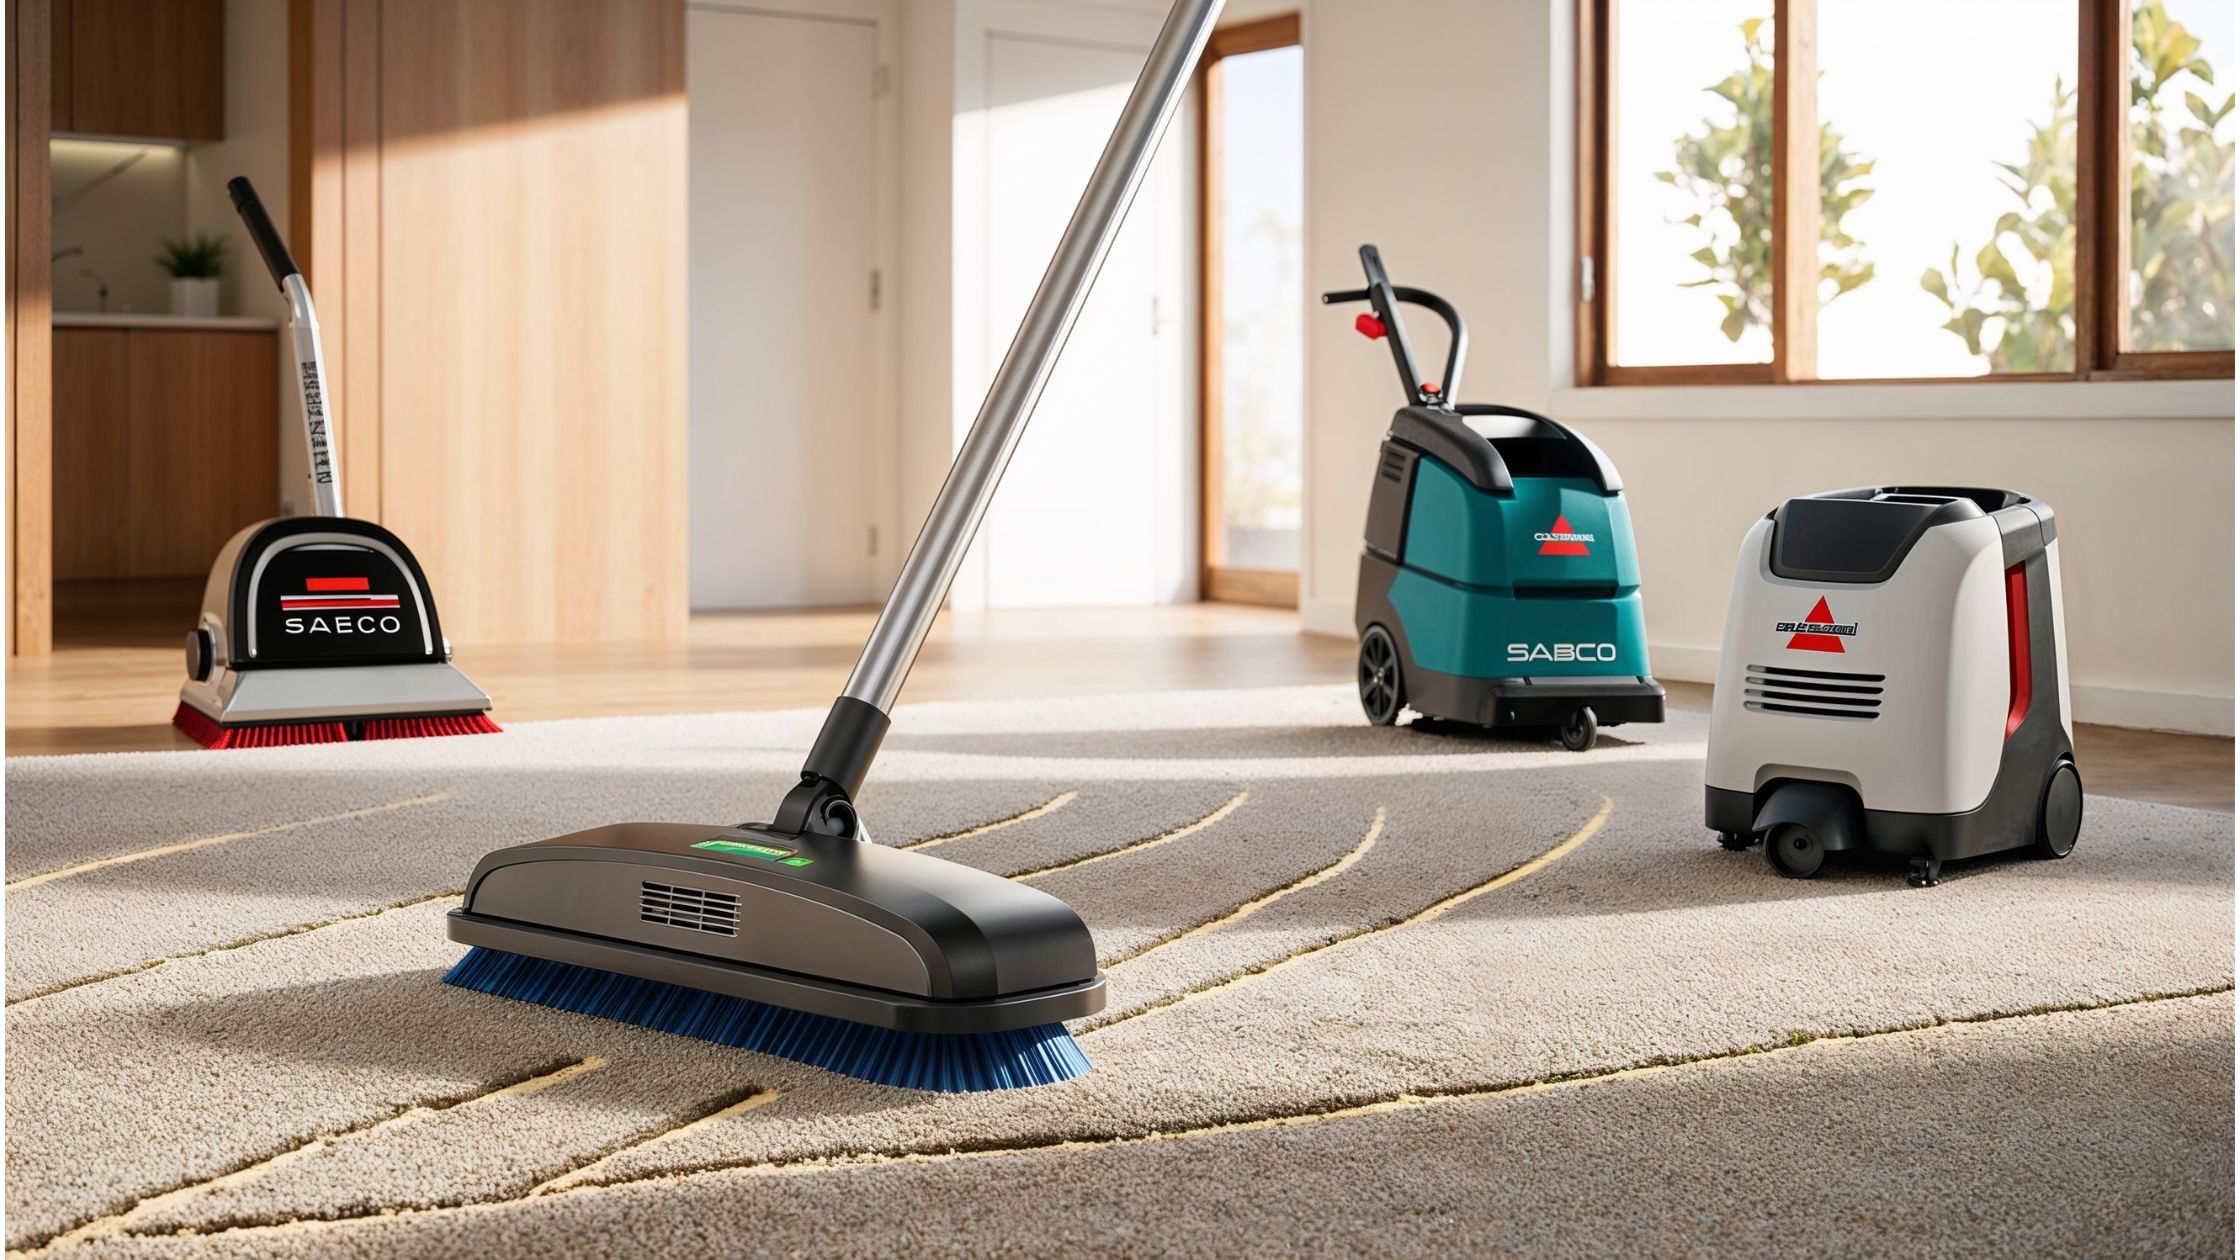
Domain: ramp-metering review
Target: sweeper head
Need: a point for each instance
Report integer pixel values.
(319, 628)
(798, 936)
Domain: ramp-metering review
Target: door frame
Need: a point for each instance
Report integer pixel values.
(882, 466)
(1218, 582)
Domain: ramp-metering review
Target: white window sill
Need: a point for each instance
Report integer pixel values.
(1987, 400)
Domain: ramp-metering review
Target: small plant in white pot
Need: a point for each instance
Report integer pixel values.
(194, 265)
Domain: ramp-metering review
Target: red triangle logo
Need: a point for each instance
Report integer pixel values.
(1808, 642)
(1562, 540)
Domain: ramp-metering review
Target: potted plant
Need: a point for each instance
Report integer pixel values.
(194, 265)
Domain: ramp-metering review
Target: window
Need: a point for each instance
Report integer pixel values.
(1253, 144)
(1799, 190)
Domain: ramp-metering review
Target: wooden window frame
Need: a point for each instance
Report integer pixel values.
(2103, 215)
(1275, 588)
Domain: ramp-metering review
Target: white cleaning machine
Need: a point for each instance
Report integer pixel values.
(1893, 679)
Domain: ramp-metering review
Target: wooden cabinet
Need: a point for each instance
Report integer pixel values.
(140, 68)
(165, 443)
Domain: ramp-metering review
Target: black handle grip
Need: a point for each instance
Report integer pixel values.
(1385, 297)
(266, 236)
(1386, 303)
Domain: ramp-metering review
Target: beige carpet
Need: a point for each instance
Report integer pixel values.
(1372, 990)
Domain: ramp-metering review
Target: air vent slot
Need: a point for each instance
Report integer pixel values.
(694, 909)
(1394, 465)
(1583, 590)
(1824, 693)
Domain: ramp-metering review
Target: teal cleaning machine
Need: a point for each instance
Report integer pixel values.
(1499, 584)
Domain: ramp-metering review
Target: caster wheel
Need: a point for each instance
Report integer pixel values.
(1795, 850)
(1736, 841)
(1578, 730)
(1925, 873)
(2060, 811)
(1377, 677)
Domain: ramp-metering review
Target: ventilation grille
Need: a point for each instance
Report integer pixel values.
(690, 908)
(1813, 692)
(1394, 465)
(1585, 590)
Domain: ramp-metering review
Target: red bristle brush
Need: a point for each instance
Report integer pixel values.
(198, 727)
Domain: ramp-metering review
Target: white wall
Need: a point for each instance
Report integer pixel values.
(2141, 475)
(118, 217)
(930, 388)
(256, 145)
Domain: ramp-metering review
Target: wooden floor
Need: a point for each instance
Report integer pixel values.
(113, 680)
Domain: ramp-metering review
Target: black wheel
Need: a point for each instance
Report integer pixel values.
(1578, 730)
(201, 653)
(1736, 841)
(1794, 850)
(2060, 811)
(1377, 676)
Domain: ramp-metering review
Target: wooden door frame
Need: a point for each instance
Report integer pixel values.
(1272, 587)
(30, 332)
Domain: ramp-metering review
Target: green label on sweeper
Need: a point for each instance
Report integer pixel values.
(769, 853)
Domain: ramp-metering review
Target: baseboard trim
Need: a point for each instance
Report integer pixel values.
(2153, 710)
(1326, 616)
(1684, 664)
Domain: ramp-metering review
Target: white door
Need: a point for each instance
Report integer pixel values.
(1099, 504)
(783, 166)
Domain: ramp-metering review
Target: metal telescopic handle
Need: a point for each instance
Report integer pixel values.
(935, 557)
(303, 338)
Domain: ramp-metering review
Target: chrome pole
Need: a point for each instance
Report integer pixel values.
(311, 394)
(957, 511)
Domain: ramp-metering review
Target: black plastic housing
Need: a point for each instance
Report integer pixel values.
(824, 924)
(1862, 535)
(330, 543)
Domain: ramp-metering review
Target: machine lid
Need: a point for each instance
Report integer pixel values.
(1492, 445)
(1863, 534)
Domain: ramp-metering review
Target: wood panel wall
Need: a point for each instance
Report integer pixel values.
(29, 387)
(493, 200)
(180, 427)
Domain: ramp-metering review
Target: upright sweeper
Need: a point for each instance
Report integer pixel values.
(1499, 584)
(1893, 681)
(799, 937)
(317, 629)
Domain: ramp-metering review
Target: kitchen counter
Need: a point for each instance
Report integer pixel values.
(165, 323)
